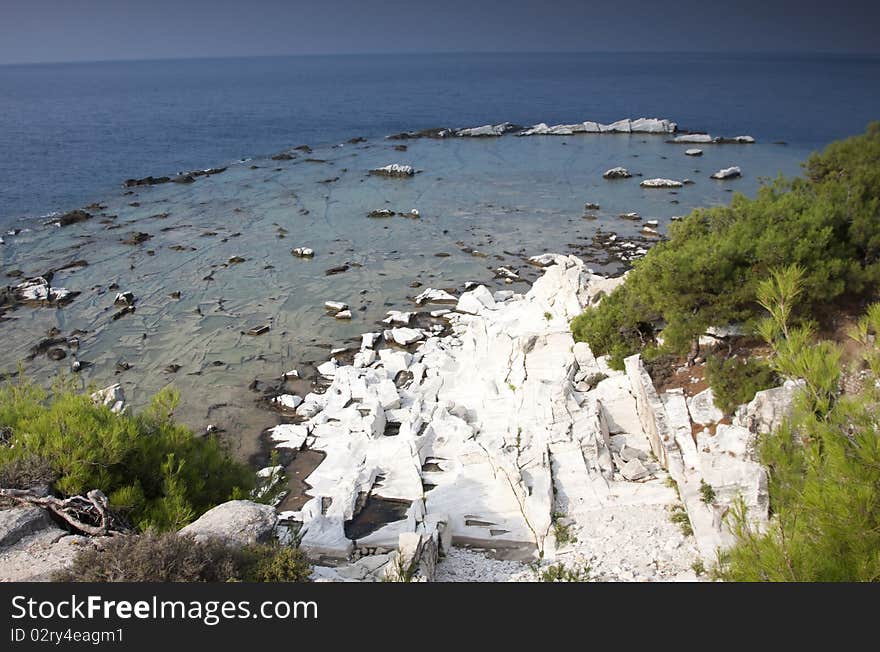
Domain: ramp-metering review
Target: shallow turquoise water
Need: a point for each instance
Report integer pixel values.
(508, 198)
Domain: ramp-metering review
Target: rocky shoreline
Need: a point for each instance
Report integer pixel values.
(472, 429)
(498, 438)
(479, 442)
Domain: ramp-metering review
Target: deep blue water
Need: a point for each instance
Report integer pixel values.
(71, 132)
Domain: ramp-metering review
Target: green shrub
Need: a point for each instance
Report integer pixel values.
(735, 381)
(559, 572)
(824, 466)
(706, 273)
(155, 472)
(168, 557)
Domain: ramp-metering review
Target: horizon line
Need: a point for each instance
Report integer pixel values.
(840, 53)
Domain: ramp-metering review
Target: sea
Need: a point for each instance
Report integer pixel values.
(211, 260)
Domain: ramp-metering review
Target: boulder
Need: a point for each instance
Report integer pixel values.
(288, 401)
(430, 295)
(634, 470)
(406, 336)
(660, 183)
(237, 522)
(728, 173)
(702, 408)
(19, 522)
(770, 407)
(616, 173)
(693, 138)
(112, 396)
(394, 170)
(475, 301)
(335, 306)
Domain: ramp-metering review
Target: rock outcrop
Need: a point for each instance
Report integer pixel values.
(32, 547)
(237, 522)
(728, 173)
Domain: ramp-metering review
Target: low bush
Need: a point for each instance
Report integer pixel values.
(168, 557)
(735, 381)
(155, 472)
(706, 273)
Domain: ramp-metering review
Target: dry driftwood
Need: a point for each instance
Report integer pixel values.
(89, 514)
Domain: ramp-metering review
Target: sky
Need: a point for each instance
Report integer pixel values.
(33, 31)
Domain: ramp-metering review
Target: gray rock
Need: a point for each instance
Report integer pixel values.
(20, 522)
(634, 470)
(628, 453)
(769, 408)
(237, 522)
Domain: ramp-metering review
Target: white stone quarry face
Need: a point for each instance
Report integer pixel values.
(479, 436)
(488, 430)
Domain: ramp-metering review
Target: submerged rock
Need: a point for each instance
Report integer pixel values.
(73, 217)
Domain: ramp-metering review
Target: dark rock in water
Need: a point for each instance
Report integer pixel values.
(73, 217)
(70, 265)
(126, 310)
(172, 368)
(184, 178)
(381, 212)
(283, 156)
(124, 299)
(336, 270)
(235, 260)
(258, 330)
(304, 148)
(175, 294)
(122, 365)
(590, 206)
(356, 140)
(441, 254)
(437, 132)
(113, 286)
(15, 273)
(43, 346)
(400, 148)
(57, 353)
(146, 181)
(137, 238)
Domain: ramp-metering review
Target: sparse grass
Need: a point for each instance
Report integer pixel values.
(562, 532)
(698, 567)
(707, 493)
(679, 516)
(559, 572)
(548, 316)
